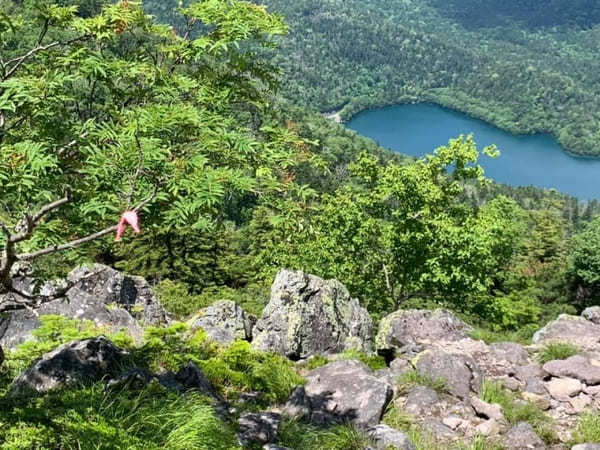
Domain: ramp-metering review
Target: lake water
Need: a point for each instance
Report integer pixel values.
(536, 160)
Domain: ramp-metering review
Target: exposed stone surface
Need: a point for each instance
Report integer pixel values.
(339, 392)
(572, 329)
(258, 428)
(488, 428)
(522, 436)
(577, 366)
(387, 438)
(410, 327)
(592, 314)
(420, 399)
(81, 361)
(224, 322)
(487, 410)
(460, 373)
(589, 446)
(99, 293)
(307, 315)
(564, 388)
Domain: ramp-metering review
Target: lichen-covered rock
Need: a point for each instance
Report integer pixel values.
(460, 373)
(572, 329)
(577, 366)
(83, 361)
(386, 438)
(522, 436)
(307, 315)
(407, 328)
(420, 399)
(341, 391)
(487, 410)
(99, 293)
(258, 428)
(588, 446)
(224, 322)
(592, 314)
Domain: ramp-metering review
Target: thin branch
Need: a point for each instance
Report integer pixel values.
(32, 221)
(71, 144)
(68, 246)
(18, 62)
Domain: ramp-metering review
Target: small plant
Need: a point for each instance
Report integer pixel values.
(517, 410)
(316, 362)
(413, 378)
(308, 437)
(588, 428)
(558, 350)
(396, 418)
(374, 362)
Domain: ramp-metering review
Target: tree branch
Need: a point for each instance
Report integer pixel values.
(18, 62)
(67, 246)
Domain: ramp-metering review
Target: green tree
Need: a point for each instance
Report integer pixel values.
(114, 112)
(584, 264)
(400, 232)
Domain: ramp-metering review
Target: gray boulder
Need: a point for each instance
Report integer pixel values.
(342, 391)
(386, 438)
(460, 373)
(412, 327)
(307, 315)
(224, 322)
(420, 400)
(578, 367)
(83, 361)
(258, 428)
(592, 314)
(99, 293)
(575, 330)
(586, 447)
(522, 436)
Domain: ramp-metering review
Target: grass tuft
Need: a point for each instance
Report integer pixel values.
(558, 350)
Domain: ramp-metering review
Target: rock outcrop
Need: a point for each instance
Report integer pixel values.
(342, 391)
(224, 322)
(403, 330)
(307, 315)
(572, 329)
(99, 293)
(81, 361)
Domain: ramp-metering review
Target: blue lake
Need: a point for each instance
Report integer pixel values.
(536, 160)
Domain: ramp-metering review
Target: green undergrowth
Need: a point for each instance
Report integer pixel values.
(516, 410)
(412, 378)
(557, 350)
(89, 417)
(300, 436)
(588, 428)
(371, 360)
(398, 419)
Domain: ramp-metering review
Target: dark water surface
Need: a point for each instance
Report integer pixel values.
(536, 160)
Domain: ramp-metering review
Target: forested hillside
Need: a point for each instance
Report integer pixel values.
(524, 77)
(179, 148)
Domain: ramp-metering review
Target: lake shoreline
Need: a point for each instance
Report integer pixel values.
(535, 159)
(428, 100)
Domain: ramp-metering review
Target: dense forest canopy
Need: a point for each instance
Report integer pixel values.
(352, 55)
(530, 13)
(190, 122)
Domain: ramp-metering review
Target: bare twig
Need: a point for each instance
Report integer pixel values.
(18, 62)
(71, 144)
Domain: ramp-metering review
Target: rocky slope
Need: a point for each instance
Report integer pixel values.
(437, 380)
